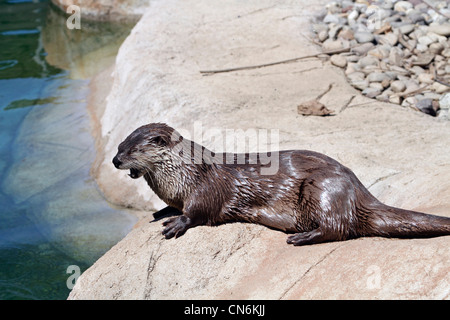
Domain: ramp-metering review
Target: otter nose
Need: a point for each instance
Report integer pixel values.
(116, 162)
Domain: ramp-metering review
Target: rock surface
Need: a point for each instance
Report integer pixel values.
(252, 262)
(397, 153)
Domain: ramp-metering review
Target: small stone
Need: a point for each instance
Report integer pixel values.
(419, 32)
(333, 7)
(353, 15)
(446, 53)
(360, 84)
(318, 27)
(382, 97)
(416, 17)
(387, 4)
(331, 45)
(363, 48)
(396, 17)
(402, 6)
(423, 60)
(370, 69)
(385, 28)
(447, 69)
(396, 56)
(421, 7)
(425, 40)
(411, 85)
(439, 88)
(421, 47)
(338, 60)
(346, 34)
(332, 33)
(435, 37)
(383, 13)
(331, 18)
(368, 61)
(412, 43)
(426, 106)
(432, 95)
(440, 29)
(352, 58)
(419, 97)
(322, 35)
(394, 99)
(377, 77)
(444, 101)
(356, 76)
(376, 85)
(425, 78)
(409, 101)
(417, 70)
(399, 70)
(444, 114)
(386, 83)
(389, 38)
(436, 48)
(398, 86)
(380, 52)
(406, 29)
(439, 60)
(371, 92)
(392, 74)
(363, 37)
(351, 68)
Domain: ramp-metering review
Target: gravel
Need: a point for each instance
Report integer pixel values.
(400, 50)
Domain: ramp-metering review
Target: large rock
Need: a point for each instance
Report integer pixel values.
(397, 153)
(243, 261)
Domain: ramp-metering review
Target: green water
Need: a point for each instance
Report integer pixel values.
(52, 214)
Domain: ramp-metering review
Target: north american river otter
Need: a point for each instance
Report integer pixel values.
(310, 195)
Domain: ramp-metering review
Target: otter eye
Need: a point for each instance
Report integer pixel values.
(131, 150)
(158, 141)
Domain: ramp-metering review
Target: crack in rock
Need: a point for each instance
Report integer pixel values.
(309, 270)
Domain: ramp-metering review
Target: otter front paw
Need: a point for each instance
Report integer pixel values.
(176, 226)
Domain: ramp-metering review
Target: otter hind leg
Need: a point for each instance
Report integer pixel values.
(311, 237)
(176, 227)
(305, 238)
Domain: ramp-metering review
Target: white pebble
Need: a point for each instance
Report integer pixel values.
(398, 86)
(338, 60)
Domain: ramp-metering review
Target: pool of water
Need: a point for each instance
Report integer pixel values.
(52, 215)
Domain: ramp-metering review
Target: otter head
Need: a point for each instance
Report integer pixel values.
(143, 148)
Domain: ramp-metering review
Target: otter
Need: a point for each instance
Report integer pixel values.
(311, 195)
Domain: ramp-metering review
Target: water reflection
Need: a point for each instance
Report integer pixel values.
(86, 51)
(52, 214)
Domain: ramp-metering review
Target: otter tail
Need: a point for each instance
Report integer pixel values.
(393, 222)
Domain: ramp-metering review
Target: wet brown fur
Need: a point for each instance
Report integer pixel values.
(311, 195)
